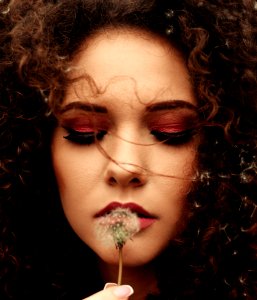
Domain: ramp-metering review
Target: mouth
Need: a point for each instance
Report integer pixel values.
(145, 218)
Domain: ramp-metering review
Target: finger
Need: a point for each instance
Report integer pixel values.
(120, 292)
(109, 284)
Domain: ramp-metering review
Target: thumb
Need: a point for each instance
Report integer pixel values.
(119, 292)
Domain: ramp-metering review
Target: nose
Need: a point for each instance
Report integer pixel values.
(125, 175)
(125, 166)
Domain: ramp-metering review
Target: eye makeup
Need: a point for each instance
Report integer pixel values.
(172, 123)
(85, 129)
(175, 127)
(84, 138)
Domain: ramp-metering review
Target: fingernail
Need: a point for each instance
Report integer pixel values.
(123, 291)
(109, 284)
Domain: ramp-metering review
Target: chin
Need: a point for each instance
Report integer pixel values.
(139, 256)
(133, 256)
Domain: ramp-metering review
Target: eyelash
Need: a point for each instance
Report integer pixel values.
(84, 138)
(174, 138)
(168, 138)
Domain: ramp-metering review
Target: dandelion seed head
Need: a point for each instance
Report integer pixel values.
(117, 226)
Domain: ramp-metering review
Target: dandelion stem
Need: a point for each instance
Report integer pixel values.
(120, 266)
(117, 226)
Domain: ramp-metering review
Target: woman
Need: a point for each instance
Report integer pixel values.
(146, 105)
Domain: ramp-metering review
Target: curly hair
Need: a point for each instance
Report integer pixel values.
(216, 255)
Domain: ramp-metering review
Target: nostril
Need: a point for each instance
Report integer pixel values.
(112, 181)
(135, 181)
(125, 177)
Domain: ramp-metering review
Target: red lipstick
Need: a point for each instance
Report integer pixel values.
(145, 218)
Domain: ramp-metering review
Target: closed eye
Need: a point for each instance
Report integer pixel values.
(174, 138)
(84, 138)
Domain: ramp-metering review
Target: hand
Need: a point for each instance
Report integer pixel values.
(113, 291)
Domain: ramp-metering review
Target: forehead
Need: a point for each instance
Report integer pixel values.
(132, 61)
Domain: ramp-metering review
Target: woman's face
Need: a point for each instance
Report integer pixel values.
(125, 136)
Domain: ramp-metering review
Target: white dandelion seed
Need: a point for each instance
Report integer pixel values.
(117, 227)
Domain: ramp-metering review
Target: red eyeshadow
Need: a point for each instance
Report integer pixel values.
(85, 124)
(169, 128)
(172, 121)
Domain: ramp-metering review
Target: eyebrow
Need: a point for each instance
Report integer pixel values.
(83, 106)
(170, 104)
(163, 105)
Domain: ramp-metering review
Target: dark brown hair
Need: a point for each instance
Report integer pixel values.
(216, 256)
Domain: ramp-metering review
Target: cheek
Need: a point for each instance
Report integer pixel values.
(75, 176)
(176, 163)
(173, 191)
(173, 197)
(73, 164)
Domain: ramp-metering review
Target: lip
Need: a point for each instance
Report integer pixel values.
(145, 218)
(132, 206)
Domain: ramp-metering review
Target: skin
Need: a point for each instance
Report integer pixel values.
(130, 72)
(112, 292)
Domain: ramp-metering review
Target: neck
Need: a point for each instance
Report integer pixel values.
(141, 278)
